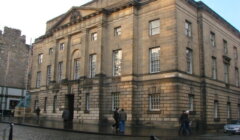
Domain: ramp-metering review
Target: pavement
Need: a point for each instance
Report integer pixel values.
(105, 132)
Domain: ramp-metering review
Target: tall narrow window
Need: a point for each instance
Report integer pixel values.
(50, 52)
(238, 111)
(228, 110)
(235, 53)
(93, 36)
(154, 27)
(115, 100)
(61, 46)
(54, 103)
(38, 81)
(226, 72)
(225, 48)
(87, 103)
(189, 61)
(155, 60)
(212, 39)
(214, 68)
(92, 65)
(191, 102)
(117, 31)
(40, 58)
(215, 109)
(236, 77)
(76, 68)
(154, 102)
(48, 74)
(60, 68)
(188, 28)
(45, 104)
(117, 62)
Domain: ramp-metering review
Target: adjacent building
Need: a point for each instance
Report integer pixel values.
(154, 58)
(13, 66)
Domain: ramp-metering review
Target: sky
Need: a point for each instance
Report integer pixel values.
(30, 16)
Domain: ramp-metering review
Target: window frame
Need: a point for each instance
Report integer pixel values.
(188, 28)
(152, 28)
(60, 71)
(212, 39)
(117, 31)
(87, 102)
(92, 65)
(117, 62)
(61, 46)
(76, 69)
(40, 58)
(216, 109)
(115, 100)
(154, 60)
(38, 79)
(154, 102)
(226, 73)
(189, 60)
(225, 47)
(94, 36)
(237, 76)
(191, 102)
(214, 68)
(54, 103)
(50, 51)
(49, 72)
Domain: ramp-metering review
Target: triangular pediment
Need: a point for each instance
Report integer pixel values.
(73, 14)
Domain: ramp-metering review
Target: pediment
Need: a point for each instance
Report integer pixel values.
(74, 14)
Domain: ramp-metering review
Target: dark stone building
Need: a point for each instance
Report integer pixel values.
(13, 66)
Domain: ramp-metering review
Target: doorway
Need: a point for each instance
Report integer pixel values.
(70, 105)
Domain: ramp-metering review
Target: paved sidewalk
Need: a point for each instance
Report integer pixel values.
(106, 129)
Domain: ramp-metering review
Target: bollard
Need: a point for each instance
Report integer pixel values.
(11, 131)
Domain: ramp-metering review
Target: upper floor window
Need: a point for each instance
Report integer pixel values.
(189, 59)
(226, 72)
(225, 48)
(236, 77)
(212, 39)
(235, 53)
(38, 81)
(48, 74)
(94, 36)
(50, 51)
(154, 60)
(92, 65)
(154, 27)
(60, 70)
(76, 68)
(117, 31)
(188, 28)
(117, 62)
(61, 47)
(40, 58)
(214, 68)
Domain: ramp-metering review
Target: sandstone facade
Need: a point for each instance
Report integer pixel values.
(166, 63)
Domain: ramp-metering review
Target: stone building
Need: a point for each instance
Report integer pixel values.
(154, 58)
(13, 64)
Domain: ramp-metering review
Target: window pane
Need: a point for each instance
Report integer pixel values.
(117, 62)
(154, 27)
(92, 66)
(76, 69)
(189, 60)
(115, 101)
(155, 60)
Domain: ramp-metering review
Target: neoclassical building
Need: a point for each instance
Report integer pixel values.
(154, 58)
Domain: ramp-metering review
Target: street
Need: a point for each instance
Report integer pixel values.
(34, 133)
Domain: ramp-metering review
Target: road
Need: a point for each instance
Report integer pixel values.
(33, 133)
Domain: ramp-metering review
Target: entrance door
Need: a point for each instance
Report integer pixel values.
(70, 104)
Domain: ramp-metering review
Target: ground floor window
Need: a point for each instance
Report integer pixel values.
(115, 100)
(54, 103)
(87, 99)
(215, 109)
(45, 104)
(154, 102)
(228, 110)
(191, 102)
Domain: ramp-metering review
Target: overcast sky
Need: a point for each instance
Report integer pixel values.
(30, 16)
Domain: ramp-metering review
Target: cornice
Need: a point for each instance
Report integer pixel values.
(202, 6)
